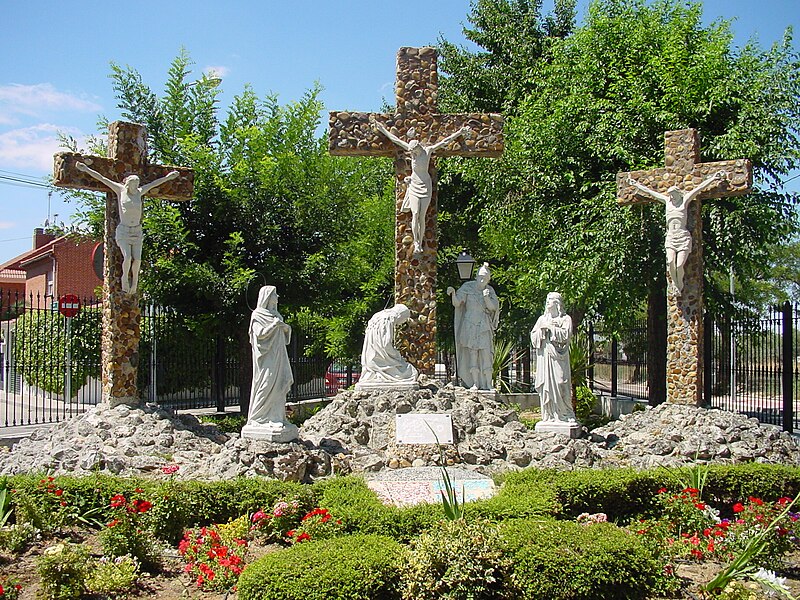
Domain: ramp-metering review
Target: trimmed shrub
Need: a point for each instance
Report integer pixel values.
(359, 567)
(456, 560)
(557, 559)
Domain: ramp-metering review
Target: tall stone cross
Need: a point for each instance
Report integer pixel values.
(683, 174)
(127, 155)
(415, 121)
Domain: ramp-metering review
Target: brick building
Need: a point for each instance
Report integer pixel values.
(53, 267)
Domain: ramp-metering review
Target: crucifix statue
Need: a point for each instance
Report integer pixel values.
(412, 135)
(679, 186)
(126, 163)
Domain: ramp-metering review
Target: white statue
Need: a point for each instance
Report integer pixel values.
(129, 231)
(381, 363)
(419, 186)
(550, 339)
(477, 314)
(678, 242)
(272, 374)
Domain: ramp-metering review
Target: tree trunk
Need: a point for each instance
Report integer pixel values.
(657, 344)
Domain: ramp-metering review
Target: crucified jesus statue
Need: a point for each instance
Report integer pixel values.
(678, 241)
(129, 231)
(419, 186)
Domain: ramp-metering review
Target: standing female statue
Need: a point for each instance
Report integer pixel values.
(550, 339)
(272, 374)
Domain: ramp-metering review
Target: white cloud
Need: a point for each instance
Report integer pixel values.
(219, 71)
(32, 148)
(7, 225)
(33, 100)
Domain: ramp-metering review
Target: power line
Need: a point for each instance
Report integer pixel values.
(17, 181)
(16, 239)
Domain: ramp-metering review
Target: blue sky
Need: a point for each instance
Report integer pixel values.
(54, 65)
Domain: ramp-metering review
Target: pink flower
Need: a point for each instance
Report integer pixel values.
(170, 469)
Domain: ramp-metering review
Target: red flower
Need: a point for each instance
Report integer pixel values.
(2, 591)
(118, 500)
(141, 506)
(756, 501)
(303, 537)
(290, 533)
(692, 491)
(113, 523)
(738, 507)
(59, 492)
(784, 501)
(662, 490)
(700, 505)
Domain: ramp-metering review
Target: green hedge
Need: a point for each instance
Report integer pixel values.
(359, 567)
(557, 559)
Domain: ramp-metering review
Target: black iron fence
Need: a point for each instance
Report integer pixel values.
(50, 364)
(750, 366)
(753, 366)
(618, 364)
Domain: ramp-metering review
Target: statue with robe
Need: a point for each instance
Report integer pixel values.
(382, 365)
(477, 314)
(272, 373)
(550, 340)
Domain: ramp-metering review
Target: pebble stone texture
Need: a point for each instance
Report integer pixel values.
(415, 117)
(685, 312)
(127, 155)
(354, 434)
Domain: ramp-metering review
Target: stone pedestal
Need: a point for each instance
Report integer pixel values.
(271, 432)
(571, 430)
(404, 386)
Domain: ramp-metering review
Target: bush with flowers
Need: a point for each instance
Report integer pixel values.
(688, 528)
(273, 525)
(10, 588)
(318, 524)
(215, 555)
(127, 533)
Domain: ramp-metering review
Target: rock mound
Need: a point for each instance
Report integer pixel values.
(140, 441)
(356, 433)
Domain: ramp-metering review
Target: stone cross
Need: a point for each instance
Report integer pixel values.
(415, 118)
(684, 171)
(127, 155)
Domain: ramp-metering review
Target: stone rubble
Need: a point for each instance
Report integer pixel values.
(356, 432)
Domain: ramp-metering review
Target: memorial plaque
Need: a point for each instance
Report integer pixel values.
(424, 428)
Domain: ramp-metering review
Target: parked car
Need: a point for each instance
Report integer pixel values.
(336, 377)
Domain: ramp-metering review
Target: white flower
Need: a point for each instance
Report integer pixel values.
(771, 582)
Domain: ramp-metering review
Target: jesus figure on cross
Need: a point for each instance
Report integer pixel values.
(129, 231)
(419, 185)
(678, 241)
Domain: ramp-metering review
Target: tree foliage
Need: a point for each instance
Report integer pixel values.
(598, 101)
(270, 206)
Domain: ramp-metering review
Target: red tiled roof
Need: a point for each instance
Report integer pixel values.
(30, 255)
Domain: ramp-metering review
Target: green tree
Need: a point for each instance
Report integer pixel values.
(270, 206)
(599, 101)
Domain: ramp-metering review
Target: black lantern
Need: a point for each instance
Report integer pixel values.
(465, 264)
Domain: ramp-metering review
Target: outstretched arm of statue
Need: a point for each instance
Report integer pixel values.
(452, 137)
(154, 184)
(117, 187)
(392, 137)
(647, 191)
(715, 178)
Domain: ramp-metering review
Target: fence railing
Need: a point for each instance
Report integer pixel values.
(750, 366)
(50, 365)
(618, 364)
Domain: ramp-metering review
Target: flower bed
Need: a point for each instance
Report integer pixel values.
(634, 532)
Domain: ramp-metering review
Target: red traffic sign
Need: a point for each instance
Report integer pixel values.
(69, 305)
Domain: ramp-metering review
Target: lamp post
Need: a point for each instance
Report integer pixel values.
(465, 264)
